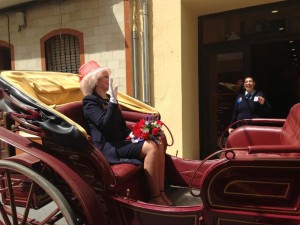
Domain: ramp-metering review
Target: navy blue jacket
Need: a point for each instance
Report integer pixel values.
(250, 108)
(107, 126)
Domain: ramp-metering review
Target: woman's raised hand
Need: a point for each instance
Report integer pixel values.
(112, 91)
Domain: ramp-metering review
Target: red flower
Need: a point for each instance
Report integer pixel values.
(145, 135)
(155, 131)
(137, 132)
(141, 123)
(146, 129)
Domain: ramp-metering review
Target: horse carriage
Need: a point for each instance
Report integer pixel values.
(54, 174)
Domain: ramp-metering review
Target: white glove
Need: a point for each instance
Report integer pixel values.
(113, 92)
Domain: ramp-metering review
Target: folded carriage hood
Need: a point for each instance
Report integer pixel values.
(59, 131)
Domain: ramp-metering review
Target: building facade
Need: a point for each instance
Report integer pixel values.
(151, 46)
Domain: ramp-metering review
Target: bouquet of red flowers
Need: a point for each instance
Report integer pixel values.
(146, 129)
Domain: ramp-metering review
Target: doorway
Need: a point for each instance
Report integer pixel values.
(275, 66)
(223, 68)
(5, 58)
(262, 40)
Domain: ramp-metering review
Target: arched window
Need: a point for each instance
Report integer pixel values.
(63, 51)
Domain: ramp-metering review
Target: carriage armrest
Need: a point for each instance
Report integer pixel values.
(135, 116)
(274, 121)
(254, 135)
(274, 149)
(132, 117)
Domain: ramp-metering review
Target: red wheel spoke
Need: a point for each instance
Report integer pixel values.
(4, 215)
(11, 198)
(28, 204)
(50, 217)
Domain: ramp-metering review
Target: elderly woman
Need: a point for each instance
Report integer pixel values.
(109, 132)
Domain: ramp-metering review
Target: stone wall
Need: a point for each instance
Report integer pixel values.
(100, 21)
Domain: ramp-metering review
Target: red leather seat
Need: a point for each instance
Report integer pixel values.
(127, 176)
(268, 138)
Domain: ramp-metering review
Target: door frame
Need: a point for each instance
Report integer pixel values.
(206, 125)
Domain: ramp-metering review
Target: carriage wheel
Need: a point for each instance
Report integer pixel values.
(28, 198)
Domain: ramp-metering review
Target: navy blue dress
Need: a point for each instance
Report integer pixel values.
(250, 108)
(109, 131)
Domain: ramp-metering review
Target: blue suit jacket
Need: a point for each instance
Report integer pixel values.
(248, 108)
(107, 126)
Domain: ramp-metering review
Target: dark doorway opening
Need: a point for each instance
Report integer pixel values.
(223, 66)
(5, 59)
(276, 68)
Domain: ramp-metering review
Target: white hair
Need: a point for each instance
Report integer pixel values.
(88, 83)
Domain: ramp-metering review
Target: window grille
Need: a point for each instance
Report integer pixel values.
(62, 53)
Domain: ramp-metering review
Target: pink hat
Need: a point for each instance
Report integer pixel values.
(89, 73)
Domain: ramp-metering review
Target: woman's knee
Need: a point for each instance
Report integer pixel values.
(149, 147)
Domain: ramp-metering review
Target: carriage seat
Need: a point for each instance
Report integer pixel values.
(126, 175)
(284, 139)
(73, 110)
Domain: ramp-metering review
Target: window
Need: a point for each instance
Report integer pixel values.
(62, 51)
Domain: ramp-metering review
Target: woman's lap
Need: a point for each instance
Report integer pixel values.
(127, 149)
